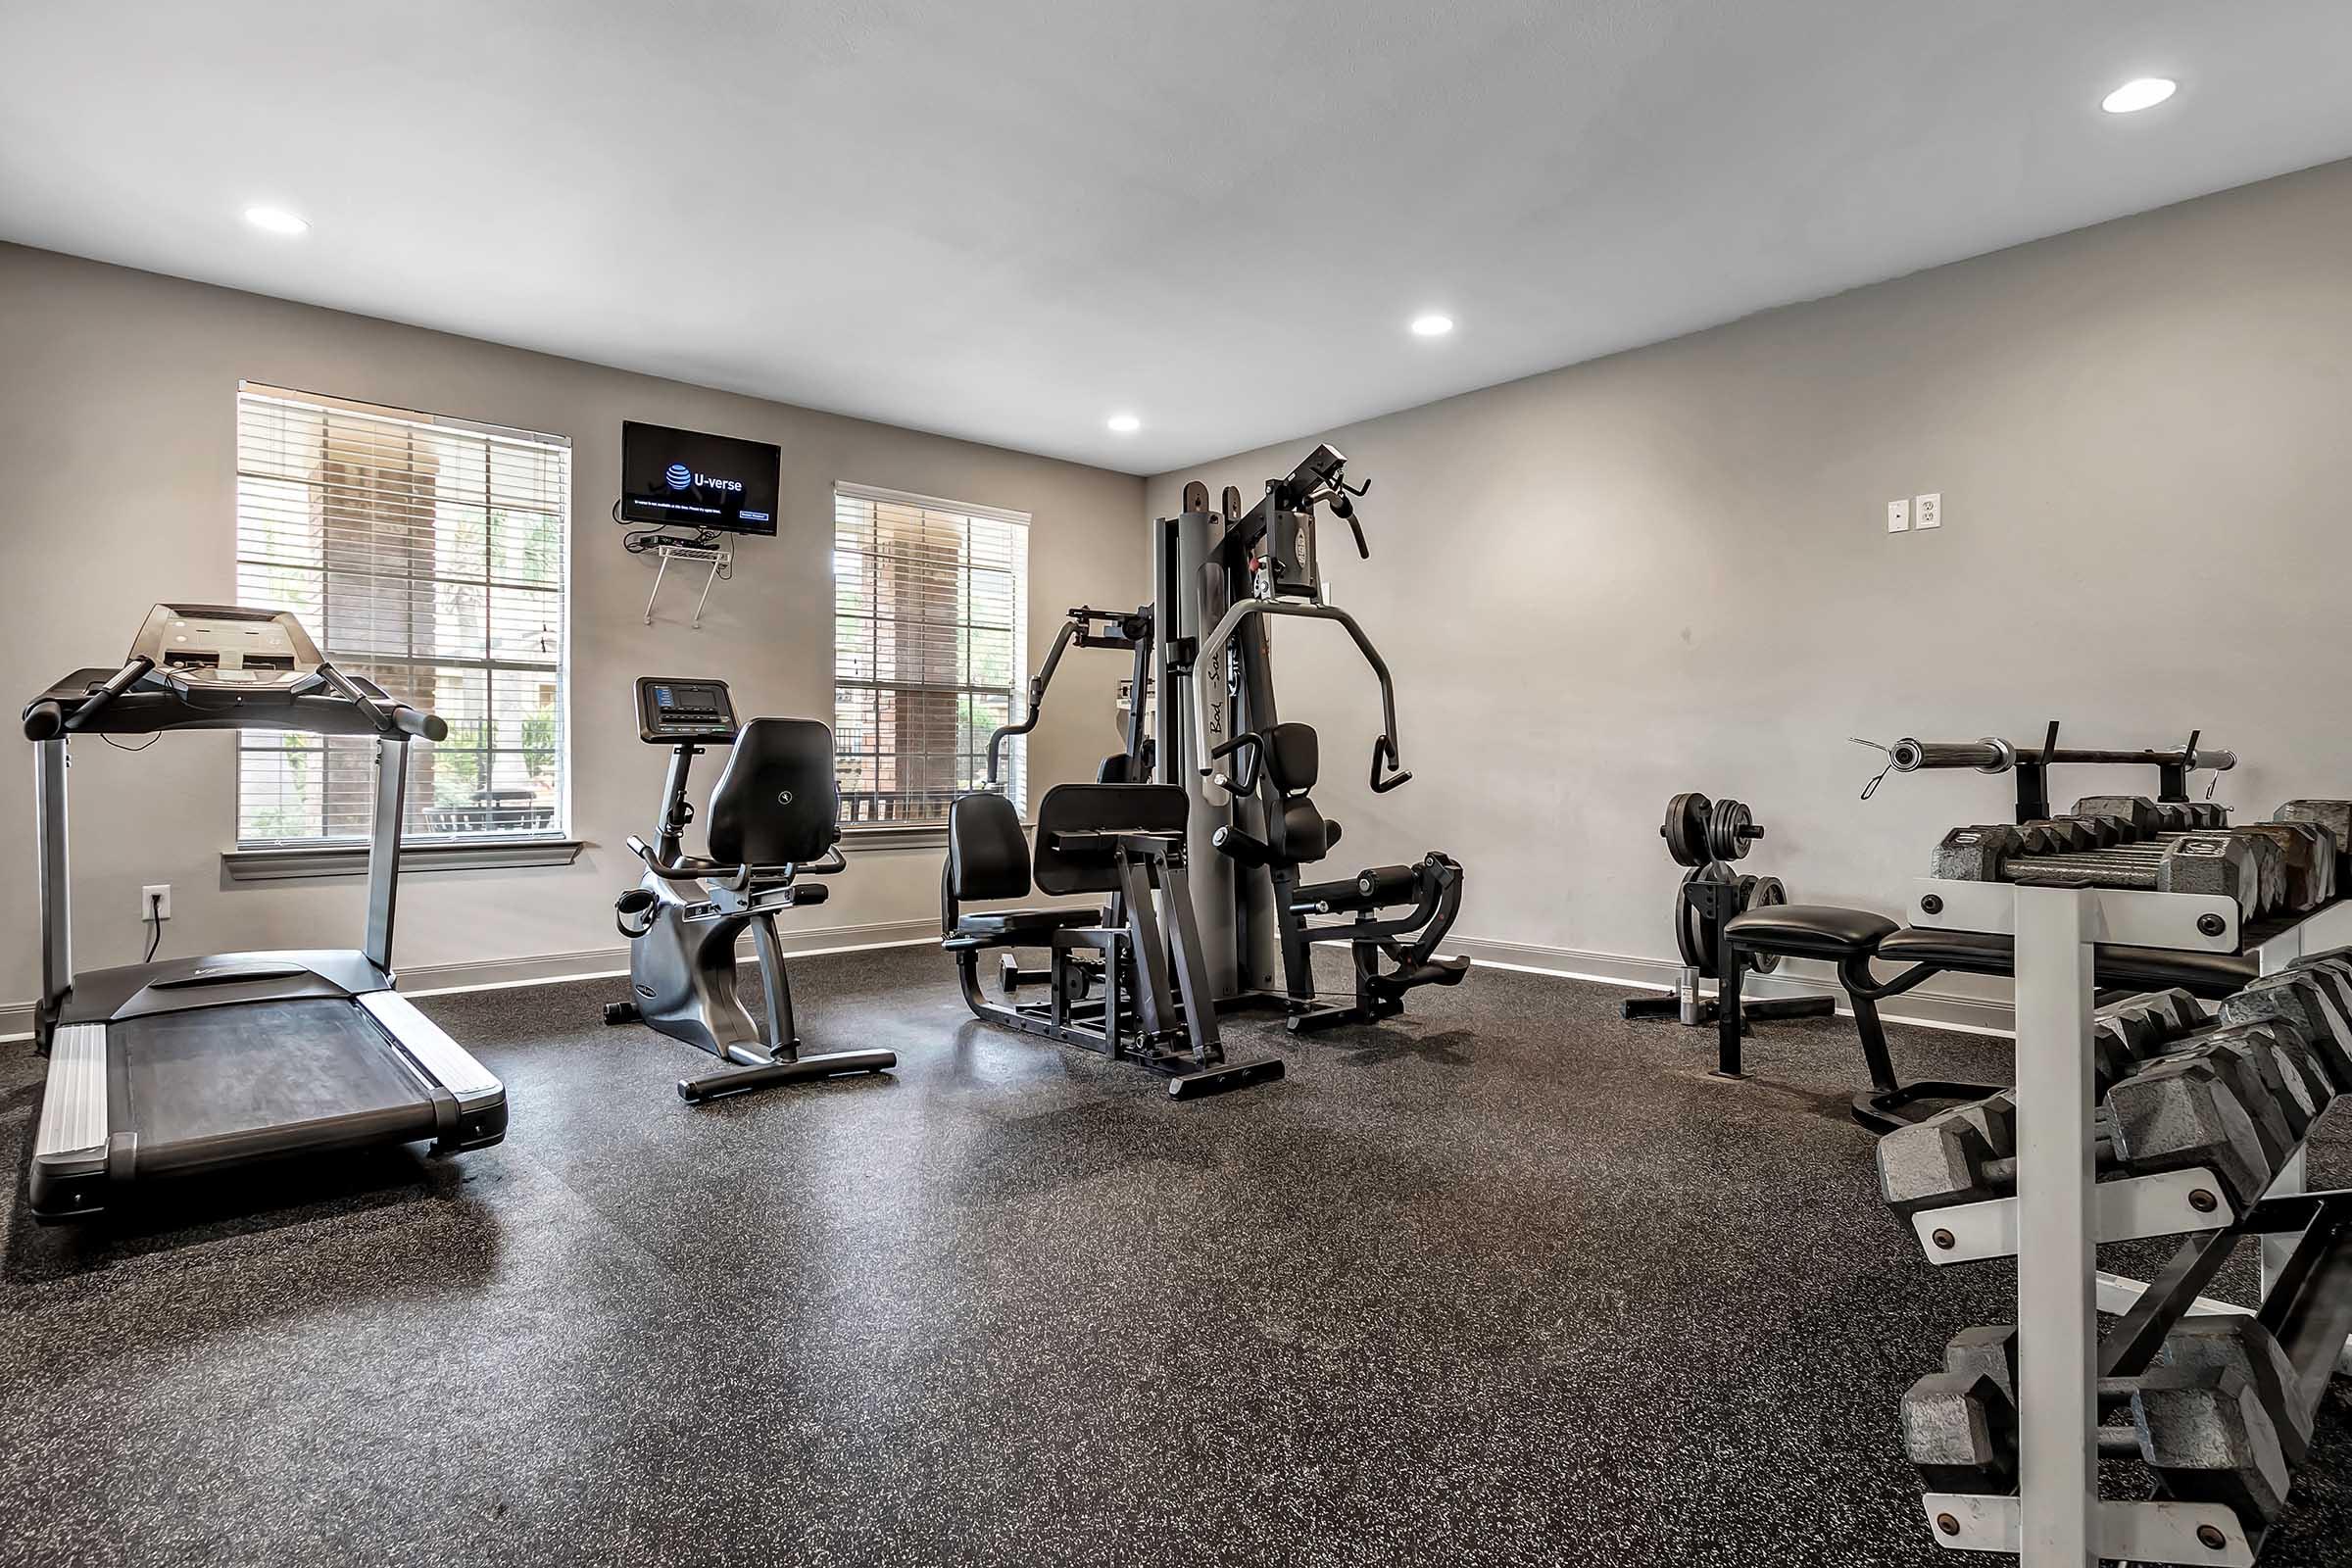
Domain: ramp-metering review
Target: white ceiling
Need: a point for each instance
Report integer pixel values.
(1006, 218)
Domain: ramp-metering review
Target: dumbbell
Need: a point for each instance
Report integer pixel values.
(2194, 862)
(2296, 1074)
(2174, 1116)
(2314, 994)
(2123, 1033)
(2333, 816)
(2212, 1419)
(2258, 1082)
(2188, 1111)
(2308, 854)
(2151, 818)
(2268, 850)
(2334, 970)
(2136, 810)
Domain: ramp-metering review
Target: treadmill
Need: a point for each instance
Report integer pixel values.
(198, 1064)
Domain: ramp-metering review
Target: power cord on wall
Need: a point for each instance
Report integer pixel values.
(154, 920)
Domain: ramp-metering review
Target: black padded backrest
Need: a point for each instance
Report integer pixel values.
(776, 805)
(1113, 808)
(1295, 830)
(987, 857)
(1293, 758)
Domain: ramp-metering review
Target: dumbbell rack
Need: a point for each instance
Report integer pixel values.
(2057, 1518)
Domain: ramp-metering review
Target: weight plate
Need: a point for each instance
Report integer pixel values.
(1695, 933)
(1685, 830)
(1725, 841)
(1683, 940)
(1767, 892)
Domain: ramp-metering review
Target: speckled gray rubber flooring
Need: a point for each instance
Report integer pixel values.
(1511, 1282)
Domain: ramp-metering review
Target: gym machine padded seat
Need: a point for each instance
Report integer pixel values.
(1840, 935)
(1809, 931)
(988, 857)
(1852, 938)
(2210, 975)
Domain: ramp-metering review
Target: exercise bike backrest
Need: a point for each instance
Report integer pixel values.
(774, 812)
(775, 803)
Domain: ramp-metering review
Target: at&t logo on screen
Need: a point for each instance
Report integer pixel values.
(678, 476)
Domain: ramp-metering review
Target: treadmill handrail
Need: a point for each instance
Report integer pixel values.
(123, 705)
(1210, 657)
(392, 715)
(45, 718)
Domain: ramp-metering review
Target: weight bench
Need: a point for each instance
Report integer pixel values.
(1853, 939)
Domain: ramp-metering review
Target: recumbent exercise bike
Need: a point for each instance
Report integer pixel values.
(774, 818)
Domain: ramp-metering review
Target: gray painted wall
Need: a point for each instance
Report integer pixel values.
(1669, 569)
(117, 452)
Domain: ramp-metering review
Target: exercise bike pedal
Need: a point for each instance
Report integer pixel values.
(620, 1012)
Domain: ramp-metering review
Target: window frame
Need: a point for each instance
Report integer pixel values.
(272, 858)
(1017, 684)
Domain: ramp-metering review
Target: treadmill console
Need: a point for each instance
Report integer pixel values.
(675, 711)
(198, 649)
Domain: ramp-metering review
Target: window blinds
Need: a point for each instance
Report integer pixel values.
(427, 555)
(929, 601)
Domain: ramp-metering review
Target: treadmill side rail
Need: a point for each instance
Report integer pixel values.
(69, 1149)
(481, 1099)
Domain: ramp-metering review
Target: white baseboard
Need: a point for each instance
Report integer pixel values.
(1933, 1009)
(555, 968)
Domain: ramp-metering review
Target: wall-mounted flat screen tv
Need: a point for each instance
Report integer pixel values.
(687, 479)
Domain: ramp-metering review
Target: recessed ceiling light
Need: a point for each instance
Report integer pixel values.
(1432, 325)
(2132, 96)
(275, 219)
(1125, 424)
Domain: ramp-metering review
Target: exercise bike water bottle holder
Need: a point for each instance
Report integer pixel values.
(634, 912)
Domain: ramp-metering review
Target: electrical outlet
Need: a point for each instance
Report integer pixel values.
(1898, 516)
(155, 903)
(1927, 512)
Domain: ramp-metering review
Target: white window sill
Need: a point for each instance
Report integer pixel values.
(351, 859)
(909, 836)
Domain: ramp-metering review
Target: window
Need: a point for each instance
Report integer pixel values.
(427, 555)
(929, 600)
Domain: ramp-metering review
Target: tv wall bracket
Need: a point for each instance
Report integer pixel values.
(719, 558)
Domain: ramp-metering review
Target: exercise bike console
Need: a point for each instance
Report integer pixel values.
(693, 712)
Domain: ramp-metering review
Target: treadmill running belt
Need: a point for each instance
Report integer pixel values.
(226, 1083)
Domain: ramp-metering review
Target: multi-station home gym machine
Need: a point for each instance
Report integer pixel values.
(1228, 575)
(1206, 806)
(1126, 979)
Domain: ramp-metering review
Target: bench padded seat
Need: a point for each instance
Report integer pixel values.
(1024, 922)
(2206, 974)
(1809, 930)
